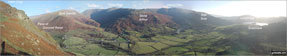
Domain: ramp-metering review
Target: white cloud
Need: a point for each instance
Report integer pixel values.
(94, 6)
(147, 5)
(146, 1)
(173, 5)
(71, 8)
(47, 11)
(17, 2)
(165, 6)
(134, 5)
(115, 5)
(57, 7)
(254, 8)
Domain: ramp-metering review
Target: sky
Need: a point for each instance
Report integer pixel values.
(223, 8)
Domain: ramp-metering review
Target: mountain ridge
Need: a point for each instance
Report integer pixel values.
(68, 19)
(184, 18)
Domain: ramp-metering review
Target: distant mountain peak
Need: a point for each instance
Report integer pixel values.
(68, 19)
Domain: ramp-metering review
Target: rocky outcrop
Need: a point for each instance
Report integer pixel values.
(19, 36)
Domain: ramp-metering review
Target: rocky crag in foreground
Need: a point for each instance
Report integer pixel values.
(19, 36)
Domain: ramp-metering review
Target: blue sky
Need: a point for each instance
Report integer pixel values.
(224, 8)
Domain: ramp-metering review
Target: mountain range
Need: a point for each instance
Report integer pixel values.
(68, 19)
(126, 31)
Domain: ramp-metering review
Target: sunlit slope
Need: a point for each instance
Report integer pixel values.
(68, 19)
(20, 36)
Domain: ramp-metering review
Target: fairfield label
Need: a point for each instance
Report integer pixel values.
(67, 13)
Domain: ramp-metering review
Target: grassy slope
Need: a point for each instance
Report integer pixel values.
(21, 35)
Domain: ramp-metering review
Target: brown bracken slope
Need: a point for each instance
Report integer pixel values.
(68, 19)
(132, 22)
(21, 37)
